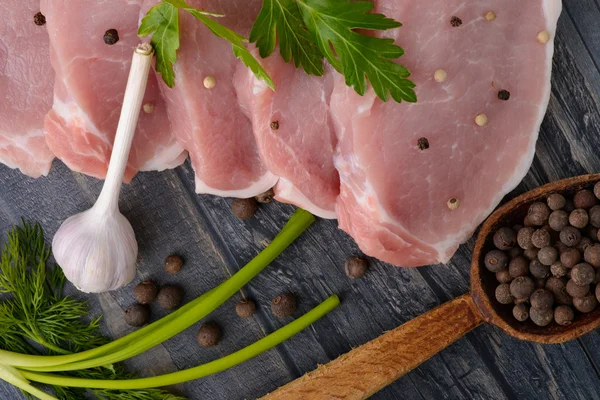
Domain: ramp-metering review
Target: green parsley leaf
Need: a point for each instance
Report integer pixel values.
(357, 56)
(283, 18)
(163, 23)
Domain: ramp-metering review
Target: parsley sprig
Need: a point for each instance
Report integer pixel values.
(307, 31)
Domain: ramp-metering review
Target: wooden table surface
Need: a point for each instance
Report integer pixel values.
(169, 217)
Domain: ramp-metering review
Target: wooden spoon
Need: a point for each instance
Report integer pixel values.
(374, 365)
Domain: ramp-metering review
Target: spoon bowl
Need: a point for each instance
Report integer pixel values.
(483, 282)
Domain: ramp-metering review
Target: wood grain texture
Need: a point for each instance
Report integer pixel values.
(367, 369)
(168, 217)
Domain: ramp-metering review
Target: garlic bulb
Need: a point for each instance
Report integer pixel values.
(97, 249)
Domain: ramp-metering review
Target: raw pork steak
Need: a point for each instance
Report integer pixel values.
(90, 82)
(26, 92)
(294, 133)
(395, 195)
(209, 122)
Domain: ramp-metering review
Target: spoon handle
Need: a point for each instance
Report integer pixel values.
(132, 103)
(367, 369)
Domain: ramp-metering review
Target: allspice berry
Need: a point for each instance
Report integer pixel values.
(598, 292)
(558, 270)
(531, 254)
(170, 297)
(266, 197)
(558, 220)
(583, 274)
(558, 289)
(356, 267)
(521, 312)
(541, 317)
(591, 255)
(538, 213)
(515, 252)
(245, 308)
(541, 238)
(597, 190)
(503, 276)
(564, 315)
(524, 238)
(571, 257)
(583, 244)
(594, 215)
(173, 264)
(503, 294)
(570, 236)
(576, 290)
(284, 305)
(585, 304)
(548, 255)
(556, 201)
(209, 334)
(518, 266)
(584, 199)
(505, 238)
(137, 315)
(244, 208)
(578, 218)
(539, 270)
(542, 299)
(522, 287)
(145, 292)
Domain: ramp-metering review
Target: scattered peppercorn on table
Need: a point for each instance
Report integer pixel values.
(169, 218)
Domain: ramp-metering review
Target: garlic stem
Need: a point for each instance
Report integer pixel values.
(132, 103)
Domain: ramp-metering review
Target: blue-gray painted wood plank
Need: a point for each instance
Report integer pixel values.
(168, 217)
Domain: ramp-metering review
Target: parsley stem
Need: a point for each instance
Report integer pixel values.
(200, 371)
(169, 326)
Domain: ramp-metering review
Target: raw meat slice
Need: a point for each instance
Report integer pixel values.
(26, 80)
(209, 122)
(90, 82)
(394, 196)
(299, 148)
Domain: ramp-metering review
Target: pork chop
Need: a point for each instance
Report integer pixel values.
(401, 165)
(90, 82)
(209, 122)
(26, 81)
(294, 133)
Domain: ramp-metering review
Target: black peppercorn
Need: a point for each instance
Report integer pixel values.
(570, 236)
(503, 276)
(245, 308)
(576, 290)
(504, 95)
(541, 317)
(137, 315)
(558, 270)
(505, 238)
(591, 255)
(521, 312)
(556, 201)
(542, 299)
(570, 257)
(495, 260)
(503, 294)
(173, 264)
(145, 292)
(541, 238)
(518, 266)
(578, 218)
(564, 315)
(539, 270)
(522, 287)
(585, 304)
(244, 208)
(111, 37)
(39, 19)
(558, 220)
(423, 143)
(209, 334)
(283, 305)
(583, 274)
(455, 22)
(524, 238)
(266, 197)
(548, 255)
(356, 267)
(170, 297)
(584, 199)
(275, 125)
(538, 213)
